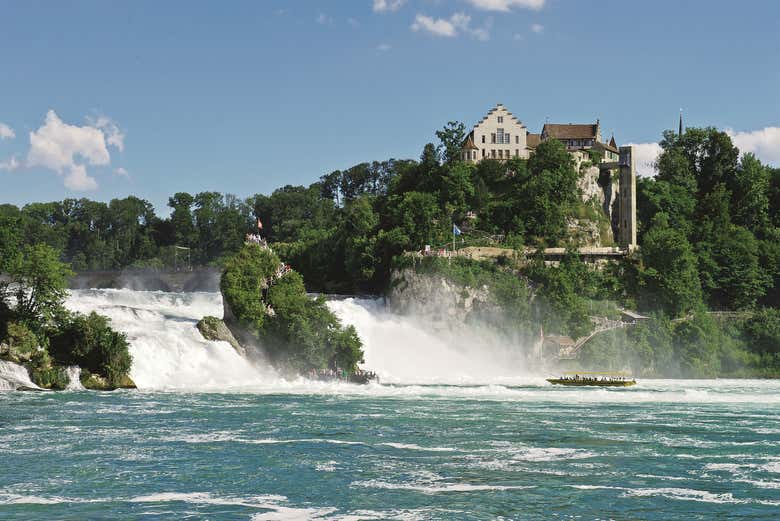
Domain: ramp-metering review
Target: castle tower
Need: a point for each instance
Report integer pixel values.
(627, 211)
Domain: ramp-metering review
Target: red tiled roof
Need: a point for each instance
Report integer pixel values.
(570, 131)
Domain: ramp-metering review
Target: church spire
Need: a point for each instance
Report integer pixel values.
(680, 132)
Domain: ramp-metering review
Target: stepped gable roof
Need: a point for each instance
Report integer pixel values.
(498, 107)
(533, 140)
(570, 131)
(468, 143)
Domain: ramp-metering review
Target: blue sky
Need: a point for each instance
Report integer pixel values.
(105, 99)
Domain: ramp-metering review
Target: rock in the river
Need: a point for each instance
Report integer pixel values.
(213, 328)
(96, 382)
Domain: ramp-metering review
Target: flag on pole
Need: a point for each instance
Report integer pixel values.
(455, 229)
(259, 225)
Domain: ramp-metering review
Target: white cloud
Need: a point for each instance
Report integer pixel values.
(353, 22)
(383, 47)
(10, 164)
(68, 149)
(764, 143)
(114, 135)
(506, 5)
(324, 19)
(388, 6)
(645, 157)
(437, 27)
(6, 132)
(537, 28)
(122, 172)
(458, 23)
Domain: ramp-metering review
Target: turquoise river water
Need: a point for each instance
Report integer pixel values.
(511, 448)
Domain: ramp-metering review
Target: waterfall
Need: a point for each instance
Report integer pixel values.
(406, 349)
(13, 376)
(74, 378)
(168, 350)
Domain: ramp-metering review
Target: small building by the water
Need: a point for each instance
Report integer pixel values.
(631, 317)
(557, 344)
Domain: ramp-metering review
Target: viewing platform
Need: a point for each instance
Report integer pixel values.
(588, 254)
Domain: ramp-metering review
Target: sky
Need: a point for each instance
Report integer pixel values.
(106, 99)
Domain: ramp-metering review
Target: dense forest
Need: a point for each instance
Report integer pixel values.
(709, 230)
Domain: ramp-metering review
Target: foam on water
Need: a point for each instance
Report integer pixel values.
(167, 349)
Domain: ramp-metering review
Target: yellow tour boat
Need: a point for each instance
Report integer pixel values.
(585, 379)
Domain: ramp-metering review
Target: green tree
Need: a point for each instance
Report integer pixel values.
(182, 219)
(751, 193)
(89, 342)
(451, 139)
(246, 276)
(670, 277)
(37, 285)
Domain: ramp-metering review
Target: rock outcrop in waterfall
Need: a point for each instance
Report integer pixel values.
(267, 309)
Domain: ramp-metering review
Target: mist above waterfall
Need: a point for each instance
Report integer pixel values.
(410, 349)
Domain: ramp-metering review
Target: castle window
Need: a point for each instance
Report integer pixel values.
(500, 119)
(492, 138)
(517, 140)
(483, 150)
(499, 136)
(517, 153)
(483, 138)
(493, 153)
(507, 139)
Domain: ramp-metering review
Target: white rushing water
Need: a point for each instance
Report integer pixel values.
(168, 350)
(405, 349)
(14, 376)
(74, 378)
(170, 353)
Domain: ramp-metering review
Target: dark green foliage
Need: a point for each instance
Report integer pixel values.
(246, 276)
(762, 330)
(451, 139)
(40, 333)
(721, 206)
(89, 342)
(37, 285)
(670, 278)
(297, 333)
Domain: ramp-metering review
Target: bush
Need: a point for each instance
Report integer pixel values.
(89, 342)
(17, 343)
(245, 277)
(300, 333)
(763, 331)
